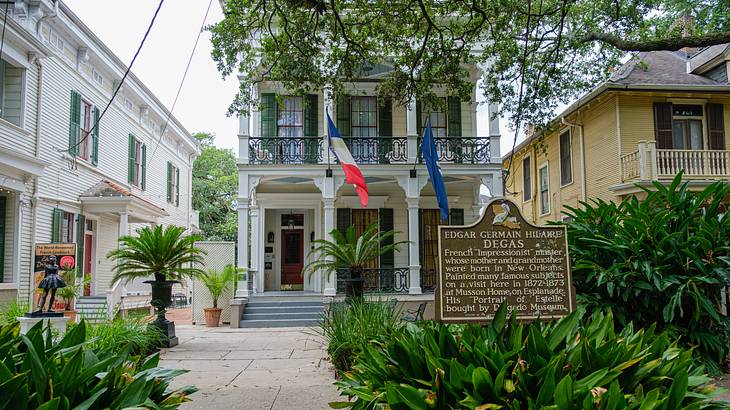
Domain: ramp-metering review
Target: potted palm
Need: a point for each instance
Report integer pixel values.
(72, 291)
(350, 253)
(217, 283)
(167, 254)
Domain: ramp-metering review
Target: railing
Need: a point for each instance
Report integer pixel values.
(365, 150)
(650, 163)
(378, 280)
(460, 150)
(114, 298)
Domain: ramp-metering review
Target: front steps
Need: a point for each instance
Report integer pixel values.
(91, 308)
(295, 312)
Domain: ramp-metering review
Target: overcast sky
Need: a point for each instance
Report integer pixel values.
(205, 95)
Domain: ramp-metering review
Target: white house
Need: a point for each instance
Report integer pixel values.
(63, 181)
(288, 197)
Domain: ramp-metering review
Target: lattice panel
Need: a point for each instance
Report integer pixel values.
(219, 255)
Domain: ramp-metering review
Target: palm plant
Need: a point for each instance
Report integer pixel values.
(349, 251)
(218, 282)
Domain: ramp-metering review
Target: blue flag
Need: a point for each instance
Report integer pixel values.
(430, 158)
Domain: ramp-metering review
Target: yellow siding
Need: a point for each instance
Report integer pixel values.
(636, 121)
(601, 150)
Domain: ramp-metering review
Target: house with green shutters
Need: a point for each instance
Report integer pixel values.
(63, 180)
(292, 191)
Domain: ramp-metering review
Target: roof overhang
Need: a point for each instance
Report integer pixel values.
(136, 209)
(17, 167)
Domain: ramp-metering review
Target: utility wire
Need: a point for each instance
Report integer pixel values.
(182, 81)
(116, 91)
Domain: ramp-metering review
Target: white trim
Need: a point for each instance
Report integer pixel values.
(352, 201)
(570, 159)
(546, 166)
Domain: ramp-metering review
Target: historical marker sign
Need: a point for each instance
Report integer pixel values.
(501, 258)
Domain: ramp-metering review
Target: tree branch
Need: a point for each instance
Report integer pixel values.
(669, 43)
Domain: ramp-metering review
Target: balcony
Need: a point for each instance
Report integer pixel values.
(365, 150)
(651, 163)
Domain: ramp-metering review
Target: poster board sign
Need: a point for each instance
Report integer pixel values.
(502, 257)
(65, 256)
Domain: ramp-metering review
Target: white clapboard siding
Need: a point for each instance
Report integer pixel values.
(12, 94)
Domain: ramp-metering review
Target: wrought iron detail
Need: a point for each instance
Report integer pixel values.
(378, 150)
(285, 150)
(428, 280)
(460, 150)
(379, 280)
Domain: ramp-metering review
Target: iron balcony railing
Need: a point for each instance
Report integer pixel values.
(365, 150)
(378, 280)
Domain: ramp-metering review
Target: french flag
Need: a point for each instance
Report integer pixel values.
(352, 172)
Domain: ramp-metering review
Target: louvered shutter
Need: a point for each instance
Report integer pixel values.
(177, 186)
(131, 158)
(344, 219)
(169, 182)
(343, 115)
(56, 225)
(387, 259)
(95, 138)
(311, 129)
(143, 177)
(420, 237)
(663, 125)
(716, 126)
(268, 115)
(453, 118)
(456, 216)
(74, 130)
(385, 129)
(80, 231)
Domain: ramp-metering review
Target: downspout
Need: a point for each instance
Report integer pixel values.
(581, 156)
(535, 184)
(39, 24)
(35, 198)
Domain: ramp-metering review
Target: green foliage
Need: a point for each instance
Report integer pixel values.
(511, 365)
(118, 334)
(74, 286)
(351, 326)
(218, 282)
(659, 260)
(166, 252)
(349, 251)
(9, 314)
(36, 373)
(215, 188)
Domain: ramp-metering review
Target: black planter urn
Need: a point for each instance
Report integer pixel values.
(354, 288)
(161, 300)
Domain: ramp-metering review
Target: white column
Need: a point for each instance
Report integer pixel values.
(413, 247)
(328, 109)
(258, 285)
(242, 285)
(412, 131)
(494, 134)
(243, 136)
(476, 211)
(642, 160)
(330, 284)
(123, 224)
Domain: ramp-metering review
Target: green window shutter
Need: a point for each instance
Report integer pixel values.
(169, 182)
(420, 236)
(74, 130)
(343, 115)
(453, 119)
(385, 129)
(344, 220)
(419, 118)
(177, 186)
(663, 131)
(716, 126)
(80, 233)
(268, 115)
(95, 138)
(143, 177)
(56, 225)
(387, 259)
(131, 159)
(456, 216)
(3, 211)
(311, 128)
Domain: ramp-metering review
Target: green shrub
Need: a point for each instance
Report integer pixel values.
(36, 373)
(352, 325)
(660, 260)
(118, 334)
(10, 313)
(512, 365)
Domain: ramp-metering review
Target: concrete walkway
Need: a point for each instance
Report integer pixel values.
(280, 368)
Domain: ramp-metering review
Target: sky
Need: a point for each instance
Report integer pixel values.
(205, 96)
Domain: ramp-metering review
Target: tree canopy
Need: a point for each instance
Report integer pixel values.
(535, 54)
(215, 183)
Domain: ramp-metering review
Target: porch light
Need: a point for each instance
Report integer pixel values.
(290, 222)
(270, 237)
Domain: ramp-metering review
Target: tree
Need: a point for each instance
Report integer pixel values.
(535, 54)
(215, 183)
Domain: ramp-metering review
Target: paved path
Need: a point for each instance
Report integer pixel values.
(284, 368)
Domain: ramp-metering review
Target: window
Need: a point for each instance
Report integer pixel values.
(290, 117)
(137, 162)
(526, 179)
(566, 159)
(687, 126)
(11, 92)
(98, 78)
(56, 41)
(67, 228)
(364, 116)
(438, 120)
(173, 184)
(542, 177)
(86, 122)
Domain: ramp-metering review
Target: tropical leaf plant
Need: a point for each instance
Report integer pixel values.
(571, 364)
(218, 282)
(348, 251)
(663, 259)
(165, 252)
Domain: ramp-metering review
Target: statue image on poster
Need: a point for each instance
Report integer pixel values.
(50, 259)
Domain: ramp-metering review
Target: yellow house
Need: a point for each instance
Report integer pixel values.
(661, 113)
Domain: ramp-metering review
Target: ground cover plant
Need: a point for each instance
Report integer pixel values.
(118, 334)
(38, 373)
(663, 260)
(512, 365)
(351, 326)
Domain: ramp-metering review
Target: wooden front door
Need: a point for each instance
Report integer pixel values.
(292, 262)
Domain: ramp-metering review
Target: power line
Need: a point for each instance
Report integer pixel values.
(121, 82)
(182, 81)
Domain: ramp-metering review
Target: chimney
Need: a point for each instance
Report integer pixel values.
(684, 24)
